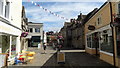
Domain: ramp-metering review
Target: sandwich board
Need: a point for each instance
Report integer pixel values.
(60, 57)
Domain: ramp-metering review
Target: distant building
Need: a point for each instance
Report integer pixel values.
(35, 34)
(64, 33)
(78, 32)
(73, 32)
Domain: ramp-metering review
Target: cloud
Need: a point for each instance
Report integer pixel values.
(64, 9)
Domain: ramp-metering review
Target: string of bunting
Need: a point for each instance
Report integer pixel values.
(47, 10)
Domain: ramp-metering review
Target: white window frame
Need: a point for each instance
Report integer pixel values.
(7, 10)
(1, 7)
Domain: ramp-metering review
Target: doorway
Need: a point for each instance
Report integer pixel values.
(96, 37)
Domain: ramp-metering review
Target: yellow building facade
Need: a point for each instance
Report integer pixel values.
(100, 37)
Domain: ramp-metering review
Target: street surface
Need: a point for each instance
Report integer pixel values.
(73, 59)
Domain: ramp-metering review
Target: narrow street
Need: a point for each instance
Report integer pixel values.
(74, 33)
(73, 59)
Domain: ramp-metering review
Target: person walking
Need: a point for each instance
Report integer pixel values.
(44, 47)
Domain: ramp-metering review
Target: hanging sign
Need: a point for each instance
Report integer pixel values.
(91, 27)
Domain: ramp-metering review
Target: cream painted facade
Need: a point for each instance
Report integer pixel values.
(10, 26)
(35, 33)
(103, 34)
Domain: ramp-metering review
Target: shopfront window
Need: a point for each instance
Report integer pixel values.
(89, 42)
(106, 44)
(5, 43)
(93, 41)
(13, 46)
(119, 8)
(35, 40)
(118, 41)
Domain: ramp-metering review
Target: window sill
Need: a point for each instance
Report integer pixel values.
(2, 18)
(110, 54)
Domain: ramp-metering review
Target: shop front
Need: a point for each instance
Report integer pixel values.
(34, 41)
(9, 40)
(99, 42)
(93, 43)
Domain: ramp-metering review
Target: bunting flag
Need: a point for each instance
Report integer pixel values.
(47, 10)
(28, 0)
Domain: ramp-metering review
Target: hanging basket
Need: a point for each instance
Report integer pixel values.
(24, 34)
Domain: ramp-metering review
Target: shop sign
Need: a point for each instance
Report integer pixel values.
(91, 27)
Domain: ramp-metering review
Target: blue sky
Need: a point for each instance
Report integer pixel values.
(65, 9)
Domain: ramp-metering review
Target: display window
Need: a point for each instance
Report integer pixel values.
(107, 41)
(13, 46)
(118, 41)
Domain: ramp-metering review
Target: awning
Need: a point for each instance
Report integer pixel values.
(28, 36)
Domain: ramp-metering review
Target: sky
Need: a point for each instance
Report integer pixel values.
(65, 8)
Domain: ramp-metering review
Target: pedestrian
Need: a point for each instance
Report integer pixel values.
(44, 47)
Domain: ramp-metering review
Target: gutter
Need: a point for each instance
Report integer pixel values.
(114, 61)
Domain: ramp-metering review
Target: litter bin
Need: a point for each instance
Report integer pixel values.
(60, 57)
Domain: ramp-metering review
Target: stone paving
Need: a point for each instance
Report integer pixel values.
(40, 56)
(73, 59)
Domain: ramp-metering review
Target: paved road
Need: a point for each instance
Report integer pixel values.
(75, 59)
(78, 60)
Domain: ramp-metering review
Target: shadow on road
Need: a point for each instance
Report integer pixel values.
(77, 60)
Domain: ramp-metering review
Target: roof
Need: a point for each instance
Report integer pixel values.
(34, 23)
(92, 13)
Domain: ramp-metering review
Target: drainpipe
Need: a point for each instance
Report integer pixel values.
(112, 27)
